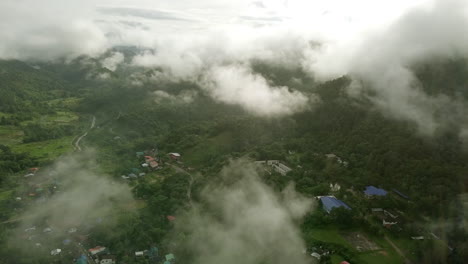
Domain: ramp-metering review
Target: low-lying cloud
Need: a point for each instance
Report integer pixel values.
(244, 221)
(383, 62)
(113, 61)
(237, 85)
(375, 44)
(81, 199)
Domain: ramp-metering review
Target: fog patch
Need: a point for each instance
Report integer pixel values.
(237, 85)
(382, 61)
(183, 97)
(113, 61)
(73, 196)
(243, 220)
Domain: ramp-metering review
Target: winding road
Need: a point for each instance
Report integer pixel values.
(76, 145)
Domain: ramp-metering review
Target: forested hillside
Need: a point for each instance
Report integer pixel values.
(51, 102)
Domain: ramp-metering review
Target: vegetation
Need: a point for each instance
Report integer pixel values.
(43, 110)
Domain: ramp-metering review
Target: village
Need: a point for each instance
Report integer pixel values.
(72, 244)
(75, 245)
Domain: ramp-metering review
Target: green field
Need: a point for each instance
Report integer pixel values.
(386, 255)
(60, 117)
(4, 195)
(329, 235)
(10, 135)
(46, 150)
(208, 149)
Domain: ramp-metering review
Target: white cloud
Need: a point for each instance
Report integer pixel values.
(374, 41)
(113, 61)
(250, 224)
(237, 85)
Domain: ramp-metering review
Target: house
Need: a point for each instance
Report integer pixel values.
(276, 165)
(377, 210)
(170, 217)
(315, 255)
(107, 259)
(174, 156)
(148, 159)
(96, 250)
(388, 224)
(280, 168)
(153, 164)
(330, 202)
(55, 252)
(417, 237)
(374, 191)
(139, 253)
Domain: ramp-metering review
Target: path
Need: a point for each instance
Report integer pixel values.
(189, 188)
(398, 250)
(77, 142)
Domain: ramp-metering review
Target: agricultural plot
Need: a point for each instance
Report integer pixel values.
(10, 135)
(360, 242)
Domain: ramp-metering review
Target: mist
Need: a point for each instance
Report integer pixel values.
(242, 220)
(213, 43)
(81, 199)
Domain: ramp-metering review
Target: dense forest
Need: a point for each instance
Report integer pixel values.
(378, 150)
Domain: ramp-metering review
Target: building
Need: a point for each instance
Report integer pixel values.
(371, 191)
(107, 259)
(174, 156)
(96, 250)
(330, 202)
(276, 165)
(55, 252)
(153, 164)
(388, 224)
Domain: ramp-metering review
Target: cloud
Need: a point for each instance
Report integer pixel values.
(183, 97)
(33, 30)
(143, 13)
(236, 85)
(244, 221)
(113, 61)
(374, 42)
(382, 61)
(81, 197)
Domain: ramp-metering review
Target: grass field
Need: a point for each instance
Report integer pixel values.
(60, 117)
(208, 149)
(46, 150)
(329, 235)
(385, 255)
(4, 195)
(10, 135)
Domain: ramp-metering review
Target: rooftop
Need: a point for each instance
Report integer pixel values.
(372, 190)
(330, 202)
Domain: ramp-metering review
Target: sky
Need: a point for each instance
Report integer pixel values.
(212, 42)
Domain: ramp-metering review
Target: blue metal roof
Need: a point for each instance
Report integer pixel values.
(331, 202)
(372, 190)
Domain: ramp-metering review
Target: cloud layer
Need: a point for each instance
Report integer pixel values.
(244, 221)
(375, 43)
(237, 85)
